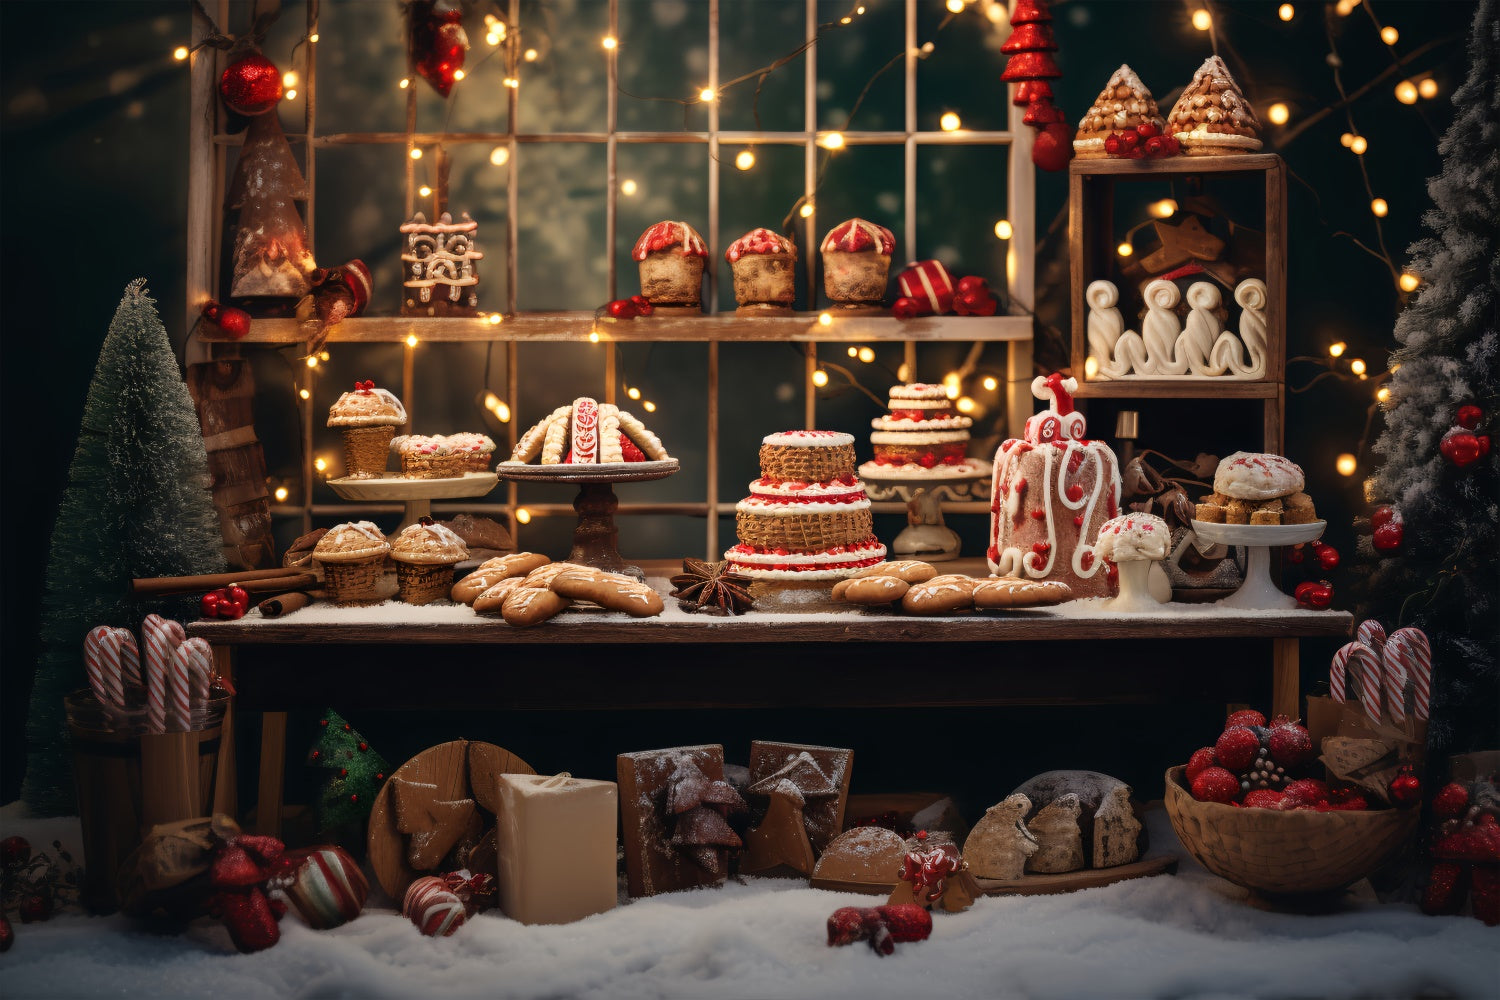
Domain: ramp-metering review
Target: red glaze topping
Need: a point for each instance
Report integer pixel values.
(759, 241)
(670, 234)
(856, 235)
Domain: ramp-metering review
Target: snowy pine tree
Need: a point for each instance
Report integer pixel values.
(1445, 576)
(136, 505)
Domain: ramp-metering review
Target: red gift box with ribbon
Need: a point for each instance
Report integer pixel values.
(929, 284)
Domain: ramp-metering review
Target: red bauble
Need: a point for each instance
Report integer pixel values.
(1469, 416)
(209, 604)
(1030, 66)
(978, 302)
(438, 43)
(238, 595)
(906, 308)
(642, 304)
(622, 309)
(1034, 36)
(1295, 555)
(1030, 12)
(973, 283)
(1328, 557)
(1387, 537)
(1405, 789)
(14, 851)
(1463, 447)
(1384, 514)
(251, 85)
(35, 907)
(1316, 594)
(1053, 147)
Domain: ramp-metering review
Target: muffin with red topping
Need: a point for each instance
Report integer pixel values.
(475, 451)
(671, 256)
(765, 272)
(368, 417)
(856, 263)
(425, 456)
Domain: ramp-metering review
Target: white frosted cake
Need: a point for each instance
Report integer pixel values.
(921, 437)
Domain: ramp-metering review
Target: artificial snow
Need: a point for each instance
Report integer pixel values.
(1184, 936)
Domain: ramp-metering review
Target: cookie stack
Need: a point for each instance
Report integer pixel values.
(1253, 488)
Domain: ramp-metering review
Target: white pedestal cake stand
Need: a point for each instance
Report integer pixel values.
(1258, 592)
(928, 538)
(595, 539)
(416, 494)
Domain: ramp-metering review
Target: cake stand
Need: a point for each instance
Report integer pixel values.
(596, 539)
(416, 494)
(1259, 592)
(926, 536)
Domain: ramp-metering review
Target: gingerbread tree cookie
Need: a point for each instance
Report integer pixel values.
(1212, 117)
(1124, 103)
(779, 843)
(820, 774)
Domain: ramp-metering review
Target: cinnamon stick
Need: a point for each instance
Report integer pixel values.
(259, 580)
(284, 604)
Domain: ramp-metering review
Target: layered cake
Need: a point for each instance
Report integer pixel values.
(921, 437)
(807, 518)
(1212, 117)
(1123, 104)
(587, 432)
(1053, 490)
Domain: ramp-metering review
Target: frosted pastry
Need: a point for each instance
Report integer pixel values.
(425, 456)
(1255, 488)
(856, 262)
(368, 418)
(352, 555)
(1133, 537)
(764, 265)
(671, 257)
(1212, 117)
(587, 432)
(1124, 103)
(425, 554)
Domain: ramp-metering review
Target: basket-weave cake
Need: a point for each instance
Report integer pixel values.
(353, 559)
(921, 436)
(807, 519)
(425, 554)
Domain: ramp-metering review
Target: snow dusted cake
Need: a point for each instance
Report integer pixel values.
(921, 437)
(1053, 490)
(807, 518)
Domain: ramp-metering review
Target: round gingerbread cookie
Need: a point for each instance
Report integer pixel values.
(940, 595)
(873, 590)
(1013, 592)
(910, 570)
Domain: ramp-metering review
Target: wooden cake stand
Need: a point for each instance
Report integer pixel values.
(925, 535)
(1259, 592)
(416, 494)
(596, 539)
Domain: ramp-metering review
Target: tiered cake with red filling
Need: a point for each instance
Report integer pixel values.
(1053, 490)
(807, 517)
(921, 437)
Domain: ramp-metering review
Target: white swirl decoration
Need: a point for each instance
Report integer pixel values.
(1160, 330)
(1202, 348)
(1196, 344)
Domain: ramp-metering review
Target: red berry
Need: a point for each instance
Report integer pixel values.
(1147, 130)
(1290, 745)
(1171, 145)
(1129, 141)
(238, 595)
(7, 934)
(973, 283)
(1328, 557)
(1388, 536)
(1347, 800)
(230, 610)
(1214, 784)
(1306, 793)
(1263, 798)
(1405, 789)
(1201, 760)
(906, 308)
(234, 322)
(1112, 143)
(1451, 801)
(1244, 717)
(642, 304)
(1152, 146)
(209, 605)
(1316, 594)
(622, 309)
(35, 908)
(1236, 748)
(14, 851)
(1469, 416)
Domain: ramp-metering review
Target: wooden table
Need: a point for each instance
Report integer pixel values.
(597, 661)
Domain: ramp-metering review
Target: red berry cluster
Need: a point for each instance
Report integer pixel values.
(226, 602)
(1145, 140)
(231, 322)
(1258, 766)
(971, 297)
(636, 305)
(1326, 555)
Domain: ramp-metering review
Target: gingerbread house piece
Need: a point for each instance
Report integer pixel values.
(1124, 103)
(820, 774)
(1212, 117)
(672, 817)
(778, 844)
(438, 260)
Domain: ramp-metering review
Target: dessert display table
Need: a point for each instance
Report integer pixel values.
(363, 658)
(926, 536)
(1259, 592)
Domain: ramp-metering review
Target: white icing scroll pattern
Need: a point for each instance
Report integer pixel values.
(1164, 348)
(1195, 346)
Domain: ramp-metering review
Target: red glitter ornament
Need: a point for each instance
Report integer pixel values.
(1053, 147)
(250, 85)
(1462, 447)
(1469, 416)
(1405, 788)
(906, 307)
(438, 42)
(622, 309)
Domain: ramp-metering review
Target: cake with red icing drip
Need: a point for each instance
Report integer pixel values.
(764, 265)
(671, 257)
(807, 518)
(1053, 490)
(921, 436)
(856, 263)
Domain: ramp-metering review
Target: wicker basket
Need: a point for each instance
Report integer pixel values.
(817, 464)
(1298, 852)
(423, 583)
(426, 465)
(366, 449)
(803, 532)
(354, 582)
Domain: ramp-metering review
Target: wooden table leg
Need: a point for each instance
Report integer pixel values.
(272, 777)
(1286, 680)
(226, 778)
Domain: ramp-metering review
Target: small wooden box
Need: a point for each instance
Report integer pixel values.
(556, 843)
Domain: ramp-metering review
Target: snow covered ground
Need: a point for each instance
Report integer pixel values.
(1183, 936)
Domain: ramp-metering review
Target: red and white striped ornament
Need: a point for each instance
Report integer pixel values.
(929, 284)
(1410, 648)
(435, 910)
(328, 889)
(1364, 669)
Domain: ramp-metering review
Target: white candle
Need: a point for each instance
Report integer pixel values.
(556, 838)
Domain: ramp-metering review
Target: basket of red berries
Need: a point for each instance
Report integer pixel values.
(1255, 809)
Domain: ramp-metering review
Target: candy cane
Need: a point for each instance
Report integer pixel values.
(162, 637)
(130, 657)
(1365, 665)
(1395, 689)
(202, 669)
(1371, 633)
(1338, 670)
(179, 692)
(95, 664)
(156, 695)
(1410, 648)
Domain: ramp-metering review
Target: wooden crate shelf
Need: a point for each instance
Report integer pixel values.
(1140, 388)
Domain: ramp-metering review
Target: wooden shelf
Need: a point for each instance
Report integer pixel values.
(1187, 388)
(579, 326)
(1176, 165)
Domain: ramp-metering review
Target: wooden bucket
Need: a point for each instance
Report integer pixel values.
(129, 781)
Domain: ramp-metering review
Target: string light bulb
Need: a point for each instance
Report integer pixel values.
(744, 159)
(496, 319)
(491, 402)
(1357, 366)
(866, 354)
(820, 378)
(313, 38)
(320, 463)
(990, 383)
(1406, 92)
(424, 191)
(281, 494)
(1202, 19)
(1428, 88)
(492, 39)
(649, 406)
(966, 404)
(405, 82)
(1389, 35)
(530, 55)
(853, 351)
(502, 412)
(1346, 140)
(1004, 230)
(957, 6)
(1347, 464)
(825, 319)
(927, 48)
(289, 78)
(180, 53)
(1125, 249)
(500, 155)
(633, 392)
(312, 361)
(629, 187)
(291, 95)
(304, 394)
(903, 373)
(323, 355)
(523, 516)
(411, 340)
(1383, 394)
(951, 385)
(950, 122)
(806, 210)
(416, 152)
(1164, 209)
(833, 140)
(511, 82)
(1279, 113)
(1337, 349)
(1380, 208)
(996, 11)
(1286, 12)
(1090, 366)
(593, 336)
(1409, 282)
(1358, 145)
(458, 75)
(706, 95)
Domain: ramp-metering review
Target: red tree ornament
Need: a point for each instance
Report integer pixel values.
(1032, 37)
(1030, 12)
(250, 85)
(1469, 416)
(438, 42)
(1053, 147)
(1462, 447)
(1031, 90)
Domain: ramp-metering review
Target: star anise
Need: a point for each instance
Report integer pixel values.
(704, 585)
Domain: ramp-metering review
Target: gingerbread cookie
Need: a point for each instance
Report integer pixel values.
(1012, 592)
(608, 590)
(910, 570)
(871, 590)
(542, 576)
(531, 606)
(492, 600)
(940, 595)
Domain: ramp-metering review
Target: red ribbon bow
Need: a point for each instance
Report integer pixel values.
(929, 871)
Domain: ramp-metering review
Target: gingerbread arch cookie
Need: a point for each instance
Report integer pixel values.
(587, 432)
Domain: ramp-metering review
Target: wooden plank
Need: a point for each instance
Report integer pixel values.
(1286, 681)
(272, 773)
(1085, 878)
(578, 325)
(226, 779)
(1079, 188)
(223, 392)
(1177, 165)
(1181, 388)
(966, 137)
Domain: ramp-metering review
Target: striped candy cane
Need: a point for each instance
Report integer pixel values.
(1338, 671)
(201, 666)
(94, 657)
(1410, 648)
(1371, 633)
(156, 694)
(179, 691)
(130, 657)
(1365, 666)
(1395, 689)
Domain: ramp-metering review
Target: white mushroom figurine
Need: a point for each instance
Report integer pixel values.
(1136, 543)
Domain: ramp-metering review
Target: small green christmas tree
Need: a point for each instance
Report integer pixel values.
(137, 504)
(358, 772)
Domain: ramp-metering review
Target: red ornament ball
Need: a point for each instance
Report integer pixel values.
(906, 307)
(1462, 447)
(1316, 594)
(14, 851)
(251, 85)
(1214, 784)
(622, 309)
(328, 889)
(35, 907)
(1405, 788)
(1469, 416)
(1328, 557)
(435, 910)
(209, 605)
(1053, 147)
(1387, 537)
